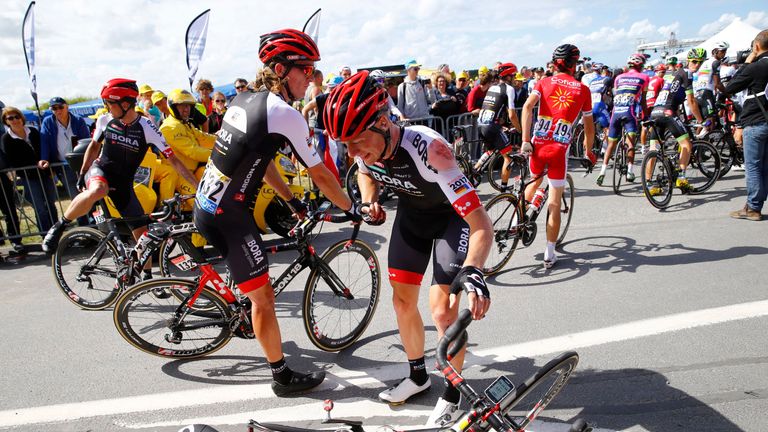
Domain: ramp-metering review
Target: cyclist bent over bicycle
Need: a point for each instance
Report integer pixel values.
(438, 213)
(254, 127)
(498, 109)
(562, 98)
(120, 141)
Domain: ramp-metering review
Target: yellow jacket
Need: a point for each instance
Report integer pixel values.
(190, 145)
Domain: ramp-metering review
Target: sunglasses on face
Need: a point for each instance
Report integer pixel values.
(694, 61)
(307, 70)
(12, 117)
(57, 107)
(240, 87)
(220, 100)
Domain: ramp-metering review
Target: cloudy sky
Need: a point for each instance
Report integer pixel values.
(82, 43)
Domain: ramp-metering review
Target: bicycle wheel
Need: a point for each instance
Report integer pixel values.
(86, 267)
(725, 148)
(658, 180)
(335, 319)
(576, 149)
(350, 181)
(505, 212)
(704, 167)
(466, 168)
(566, 209)
(533, 396)
(619, 166)
(517, 172)
(161, 326)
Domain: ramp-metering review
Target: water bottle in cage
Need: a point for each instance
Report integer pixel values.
(538, 200)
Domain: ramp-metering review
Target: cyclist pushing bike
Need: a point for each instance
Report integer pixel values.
(439, 214)
(665, 113)
(120, 141)
(561, 99)
(254, 127)
(498, 110)
(628, 105)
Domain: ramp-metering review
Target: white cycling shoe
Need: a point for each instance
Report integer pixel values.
(550, 262)
(445, 414)
(403, 391)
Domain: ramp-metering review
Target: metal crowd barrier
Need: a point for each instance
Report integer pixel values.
(31, 201)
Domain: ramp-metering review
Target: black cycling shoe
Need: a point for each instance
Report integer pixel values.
(299, 383)
(52, 237)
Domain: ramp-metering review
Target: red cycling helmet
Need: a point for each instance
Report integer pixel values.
(118, 89)
(636, 60)
(660, 68)
(287, 45)
(353, 106)
(507, 69)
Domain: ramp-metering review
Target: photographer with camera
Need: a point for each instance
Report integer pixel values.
(753, 76)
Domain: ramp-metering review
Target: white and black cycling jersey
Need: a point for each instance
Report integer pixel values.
(254, 127)
(497, 101)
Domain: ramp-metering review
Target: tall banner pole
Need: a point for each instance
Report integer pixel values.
(28, 40)
(197, 34)
(312, 26)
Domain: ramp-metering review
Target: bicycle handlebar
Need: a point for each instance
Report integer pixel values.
(171, 208)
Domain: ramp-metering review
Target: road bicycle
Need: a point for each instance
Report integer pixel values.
(203, 314)
(502, 406)
(659, 168)
(576, 150)
(93, 265)
(491, 166)
(621, 161)
(514, 219)
(722, 138)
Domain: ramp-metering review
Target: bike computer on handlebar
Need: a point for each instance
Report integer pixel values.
(499, 389)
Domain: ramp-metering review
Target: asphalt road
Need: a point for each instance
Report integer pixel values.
(667, 310)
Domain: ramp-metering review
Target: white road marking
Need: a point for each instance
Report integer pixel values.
(341, 378)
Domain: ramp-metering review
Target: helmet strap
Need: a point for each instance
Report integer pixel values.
(387, 138)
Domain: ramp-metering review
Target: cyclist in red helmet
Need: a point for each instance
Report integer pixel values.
(561, 99)
(438, 214)
(498, 111)
(254, 127)
(120, 140)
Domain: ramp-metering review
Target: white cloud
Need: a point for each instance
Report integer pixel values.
(568, 18)
(709, 29)
(757, 19)
(667, 29)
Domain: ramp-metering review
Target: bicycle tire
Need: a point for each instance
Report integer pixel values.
(466, 168)
(333, 322)
(619, 166)
(99, 286)
(142, 317)
(566, 208)
(505, 213)
(553, 376)
(706, 160)
(661, 176)
(726, 150)
(279, 217)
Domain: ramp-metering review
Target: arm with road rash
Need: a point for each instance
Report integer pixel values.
(465, 201)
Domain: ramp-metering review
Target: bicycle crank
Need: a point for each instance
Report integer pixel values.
(529, 233)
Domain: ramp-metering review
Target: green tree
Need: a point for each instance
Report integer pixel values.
(70, 101)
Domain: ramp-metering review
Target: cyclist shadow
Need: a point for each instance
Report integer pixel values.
(368, 353)
(710, 196)
(617, 254)
(627, 398)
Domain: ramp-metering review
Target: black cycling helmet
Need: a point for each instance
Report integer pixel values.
(566, 56)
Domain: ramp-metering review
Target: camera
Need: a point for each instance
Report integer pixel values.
(741, 56)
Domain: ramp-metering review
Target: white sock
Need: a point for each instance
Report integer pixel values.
(603, 168)
(549, 252)
(630, 168)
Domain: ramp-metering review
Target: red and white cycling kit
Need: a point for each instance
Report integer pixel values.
(561, 99)
(431, 207)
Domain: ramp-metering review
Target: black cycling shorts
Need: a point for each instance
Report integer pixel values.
(416, 235)
(667, 122)
(121, 193)
(706, 100)
(235, 234)
(493, 136)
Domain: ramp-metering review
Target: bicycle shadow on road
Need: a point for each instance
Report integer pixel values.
(618, 254)
(628, 398)
(694, 201)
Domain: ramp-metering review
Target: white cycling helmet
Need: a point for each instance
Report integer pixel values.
(721, 46)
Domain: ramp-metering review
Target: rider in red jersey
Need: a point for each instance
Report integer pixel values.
(562, 99)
